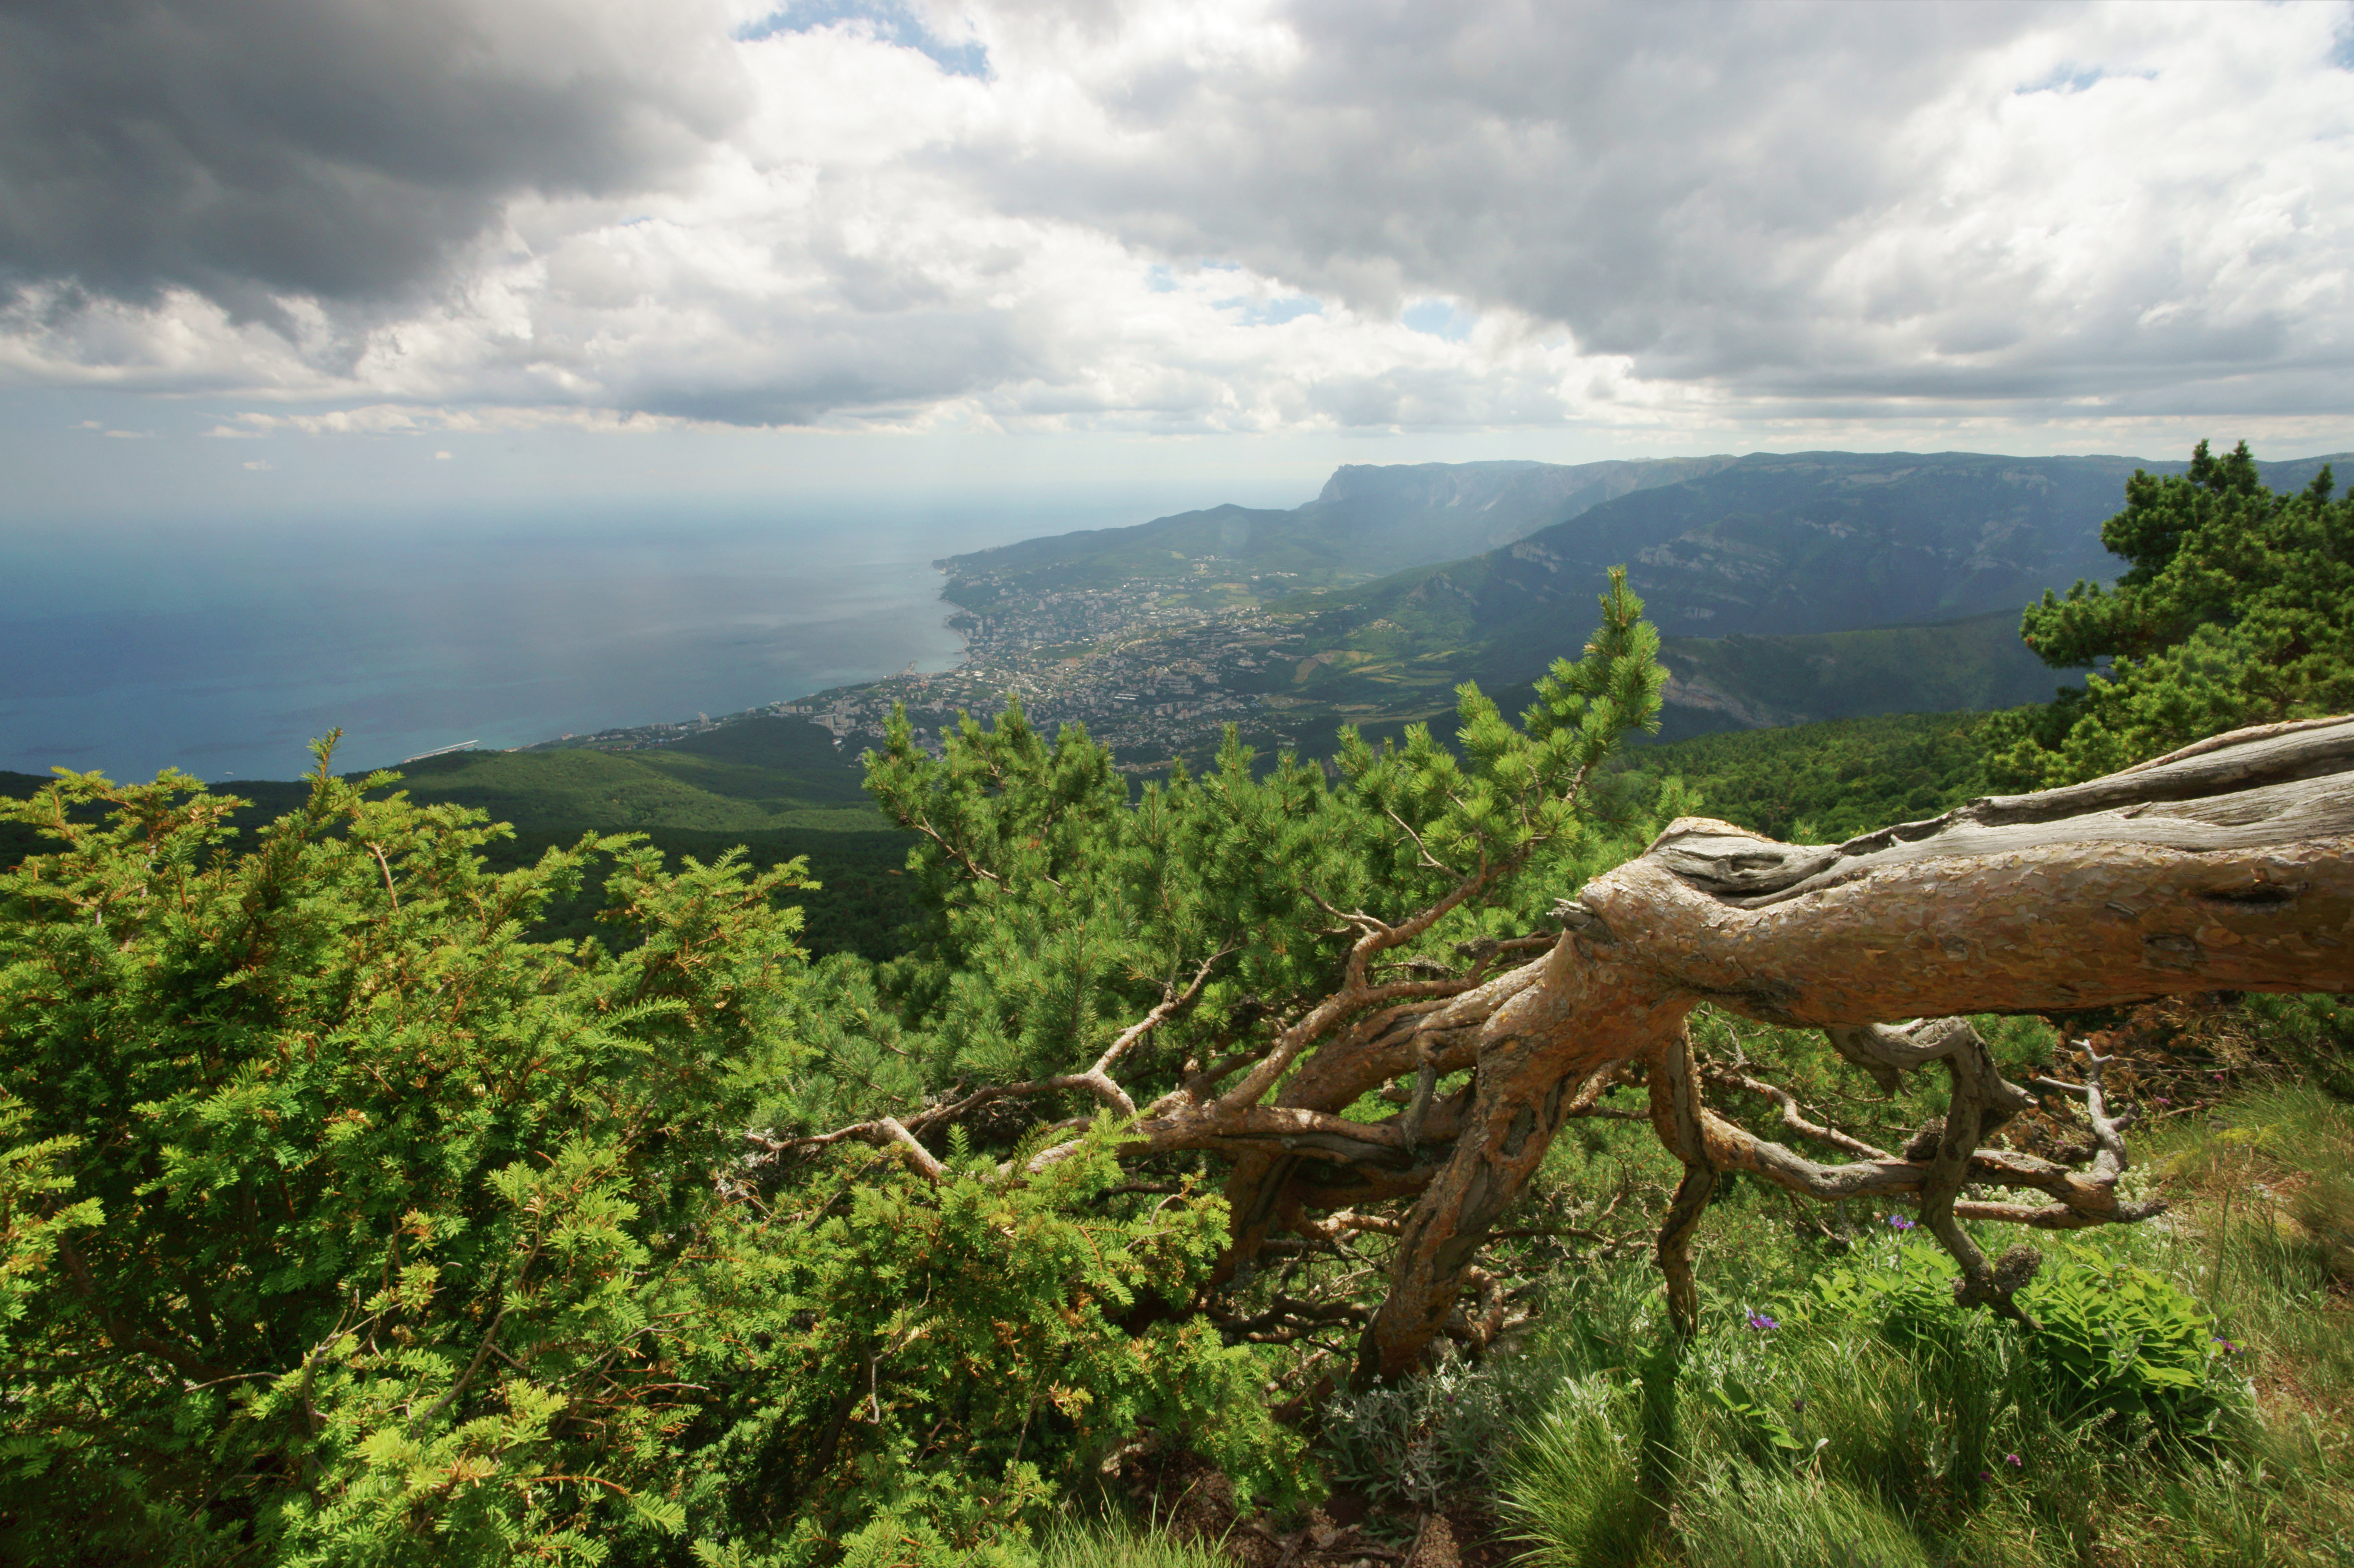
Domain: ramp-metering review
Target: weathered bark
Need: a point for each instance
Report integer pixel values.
(2224, 865)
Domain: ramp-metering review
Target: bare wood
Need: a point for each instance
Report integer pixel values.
(1794, 1116)
(922, 1158)
(1675, 1111)
(2226, 866)
(2222, 865)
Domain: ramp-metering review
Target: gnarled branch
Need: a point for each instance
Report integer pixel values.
(2223, 865)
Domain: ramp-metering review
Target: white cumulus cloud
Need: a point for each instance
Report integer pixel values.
(1237, 215)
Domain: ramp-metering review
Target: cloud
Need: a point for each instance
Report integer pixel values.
(1952, 202)
(414, 419)
(336, 149)
(459, 215)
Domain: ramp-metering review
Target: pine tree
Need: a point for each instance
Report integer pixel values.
(2236, 607)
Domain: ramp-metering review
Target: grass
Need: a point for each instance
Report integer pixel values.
(1808, 1426)
(1827, 1440)
(1112, 1543)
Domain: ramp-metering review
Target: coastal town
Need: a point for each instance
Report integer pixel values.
(1151, 668)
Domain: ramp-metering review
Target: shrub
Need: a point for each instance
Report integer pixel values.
(2112, 1339)
(339, 1222)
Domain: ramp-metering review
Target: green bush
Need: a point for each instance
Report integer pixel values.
(2112, 1339)
(341, 1223)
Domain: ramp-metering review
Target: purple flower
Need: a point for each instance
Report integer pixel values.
(2164, 1101)
(1899, 1223)
(1799, 1404)
(2228, 1348)
(2014, 1461)
(1985, 1475)
(1759, 1320)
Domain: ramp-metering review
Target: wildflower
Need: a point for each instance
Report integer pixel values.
(1799, 1404)
(2229, 1349)
(1760, 1321)
(2014, 1461)
(1899, 1223)
(2163, 1100)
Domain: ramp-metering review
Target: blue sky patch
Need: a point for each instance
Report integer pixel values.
(893, 24)
(1440, 318)
(2068, 78)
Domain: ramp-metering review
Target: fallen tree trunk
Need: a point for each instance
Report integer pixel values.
(2222, 867)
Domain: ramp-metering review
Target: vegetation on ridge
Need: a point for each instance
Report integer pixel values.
(349, 1213)
(2237, 607)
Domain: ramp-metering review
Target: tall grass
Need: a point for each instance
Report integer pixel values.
(1113, 1543)
(1800, 1429)
(1849, 1439)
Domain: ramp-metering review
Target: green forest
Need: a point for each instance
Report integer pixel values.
(715, 1158)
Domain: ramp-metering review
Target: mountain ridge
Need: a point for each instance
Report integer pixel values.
(1775, 545)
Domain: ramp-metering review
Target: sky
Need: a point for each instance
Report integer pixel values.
(280, 256)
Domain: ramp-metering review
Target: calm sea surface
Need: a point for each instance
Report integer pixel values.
(129, 648)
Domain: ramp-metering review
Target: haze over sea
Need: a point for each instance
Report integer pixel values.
(221, 649)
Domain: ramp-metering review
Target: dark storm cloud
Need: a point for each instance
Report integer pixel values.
(332, 148)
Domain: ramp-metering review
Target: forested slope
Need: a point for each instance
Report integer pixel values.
(780, 789)
(1274, 1156)
(1774, 545)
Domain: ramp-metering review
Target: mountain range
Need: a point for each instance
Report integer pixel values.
(1792, 586)
(1369, 519)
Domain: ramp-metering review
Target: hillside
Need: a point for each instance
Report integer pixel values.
(1773, 546)
(776, 787)
(1752, 680)
(758, 774)
(1821, 783)
(1368, 520)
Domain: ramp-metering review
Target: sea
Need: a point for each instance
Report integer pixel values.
(222, 650)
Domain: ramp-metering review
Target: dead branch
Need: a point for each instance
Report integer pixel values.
(2225, 866)
(930, 1169)
(2222, 867)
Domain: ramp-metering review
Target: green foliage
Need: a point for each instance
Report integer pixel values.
(944, 1365)
(2236, 607)
(1116, 1543)
(2313, 1032)
(1575, 1491)
(1827, 1440)
(390, 1196)
(1741, 1517)
(1423, 1441)
(344, 1223)
(1064, 911)
(2111, 1340)
(2273, 1172)
(1821, 783)
(2115, 1338)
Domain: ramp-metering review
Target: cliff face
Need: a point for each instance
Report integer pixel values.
(1368, 520)
(1780, 544)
